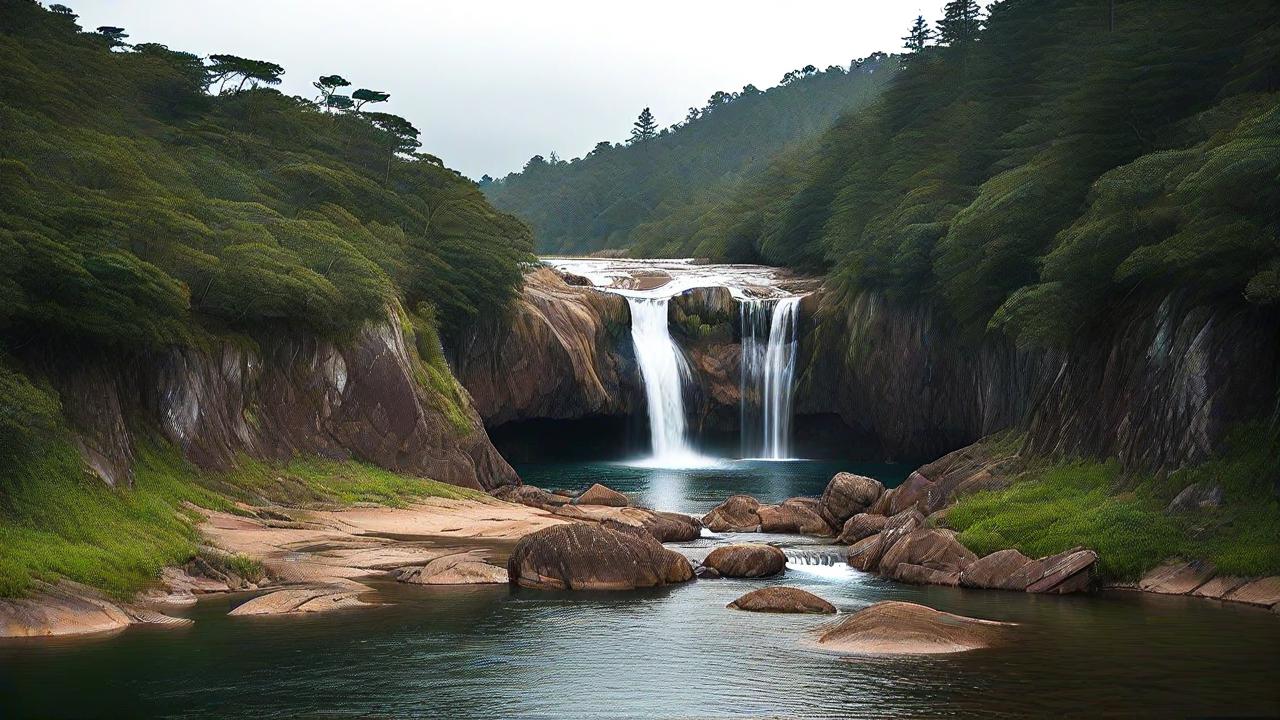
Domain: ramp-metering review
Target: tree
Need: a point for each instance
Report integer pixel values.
(537, 161)
(339, 102)
(960, 24)
(364, 96)
(114, 35)
(226, 67)
(919, 37)
(328, 85)
(645, 128)
(63, 10)
(485, 180)
(693, 114)
(402, 136)
(601, 147)
(717, 99)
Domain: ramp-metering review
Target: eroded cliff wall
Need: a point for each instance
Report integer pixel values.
(371, 398)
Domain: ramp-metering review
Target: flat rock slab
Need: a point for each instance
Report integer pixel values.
(1263, 591)
(303, 600)
(467, 568)
(782, 600)
(899, 628)
(747, 560)
(57, 610)
(1177, 578)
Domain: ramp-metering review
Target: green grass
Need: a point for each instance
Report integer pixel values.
(1056, 507)
(59, 521)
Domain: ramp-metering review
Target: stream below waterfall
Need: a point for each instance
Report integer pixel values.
(677, 652)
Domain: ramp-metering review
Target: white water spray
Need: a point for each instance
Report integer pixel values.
(768, 368)
(664, 372)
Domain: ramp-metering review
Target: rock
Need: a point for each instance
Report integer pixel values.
(847, 495)
(1065, 572)
(912, 493)
(63, 609)
(580, 556)
(891, 628)
(706, 573)
(738, 513)
(673, 527)
(921, 575)
(927, 548)
(797, 515)
(457, 569)
(1263, 591)
(600, 495)
(530, 496)
(1196, 496)
(782, 600)
(747, 560)
(865, 554)
(1219, 587)
(1177, 577)
(1001, 570)
(663, 527)
(303, 600)
(860, 526)
(900, 525)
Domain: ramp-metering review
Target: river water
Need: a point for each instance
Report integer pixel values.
(672, 653)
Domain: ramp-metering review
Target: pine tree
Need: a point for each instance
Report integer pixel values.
(919, 36)
(646, 127)
(960, 24)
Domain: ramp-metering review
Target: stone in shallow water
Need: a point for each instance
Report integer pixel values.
(457, 569)
(738, 513)
(796, 515)
(927, 548)
(303, 600)
(782, 600)
(747, 560)
(1177, 577)
(847, 495)
(893, 628)
(581, 556)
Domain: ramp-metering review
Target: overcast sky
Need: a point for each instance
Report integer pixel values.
(492, 83)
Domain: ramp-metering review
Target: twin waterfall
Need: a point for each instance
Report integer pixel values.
(769, 331)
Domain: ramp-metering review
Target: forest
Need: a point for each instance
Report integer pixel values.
(150, 198)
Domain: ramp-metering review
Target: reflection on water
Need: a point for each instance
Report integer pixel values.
(669, 653)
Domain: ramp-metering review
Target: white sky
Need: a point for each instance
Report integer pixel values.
(492, 83)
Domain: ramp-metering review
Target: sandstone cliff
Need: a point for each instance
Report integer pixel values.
(372, 398)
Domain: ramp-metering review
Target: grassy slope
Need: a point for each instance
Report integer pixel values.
(1052, 507)
(58, 520)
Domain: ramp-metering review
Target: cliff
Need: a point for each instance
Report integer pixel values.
(371, 397)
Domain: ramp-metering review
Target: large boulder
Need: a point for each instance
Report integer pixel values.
(747, 560)
(663, 526)
(1001, 570)
(901, 525)
(865, 554)
(912, 493)
(782, 600)
(797, 515)
(930, 549)
(600, 495)
(739, 513)
(847, 495)
(673, 527)
(860, 526)
(891, 628)
(583, 556)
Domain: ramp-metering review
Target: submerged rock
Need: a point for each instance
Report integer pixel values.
(891, 628)
(747, 560)
(598, 494)
(738, 513)
(847, 495)
(782, 600)
(581, 556)
(324, 598)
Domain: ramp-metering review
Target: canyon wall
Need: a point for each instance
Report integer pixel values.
(370, 398)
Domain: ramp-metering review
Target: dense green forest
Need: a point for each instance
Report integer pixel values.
(149, 198)
(649, 193)
(1027, 170)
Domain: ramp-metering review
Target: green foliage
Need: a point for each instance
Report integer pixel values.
(1030, 180)
(654, 196)
(1052, 508)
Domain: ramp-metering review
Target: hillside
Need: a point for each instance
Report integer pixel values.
(629, 196)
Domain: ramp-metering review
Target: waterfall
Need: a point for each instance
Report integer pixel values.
(768, 375)
(664, 372)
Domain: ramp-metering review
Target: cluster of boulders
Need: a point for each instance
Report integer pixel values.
(608, 507)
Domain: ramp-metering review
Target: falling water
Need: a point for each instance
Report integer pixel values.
(664, 372)
(768, 372)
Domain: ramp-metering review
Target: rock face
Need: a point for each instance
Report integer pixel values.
(847, 495)
(561, 355)
(581, 556)
(600, 495)
(295, 395)
(797, 515)
(920, 389)
(739, 513)
(747, 561)
(899, 628)
(782, 600)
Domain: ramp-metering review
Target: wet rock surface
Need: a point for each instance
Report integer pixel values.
(746, 560)
(900, 628)
(780, 599)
